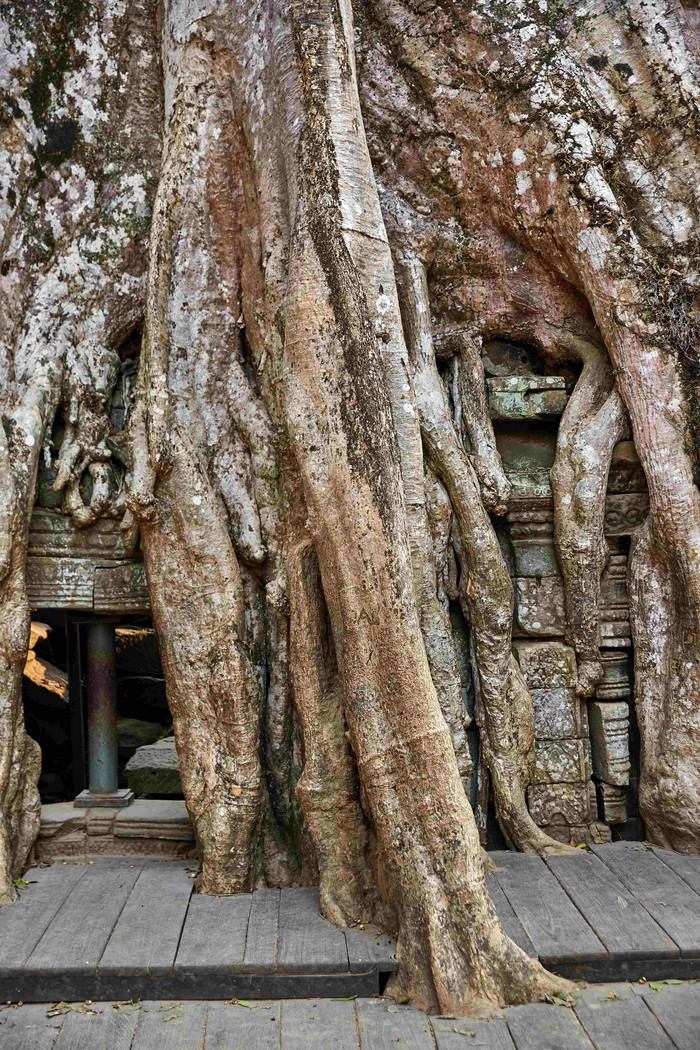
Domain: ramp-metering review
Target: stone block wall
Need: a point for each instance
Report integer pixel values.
(581, 787)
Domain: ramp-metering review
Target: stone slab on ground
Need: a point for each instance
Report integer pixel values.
(148, 827)
(154, 770)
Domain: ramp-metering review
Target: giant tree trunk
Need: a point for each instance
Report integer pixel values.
(341, 198)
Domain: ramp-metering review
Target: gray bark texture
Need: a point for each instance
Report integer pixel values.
(312, 214)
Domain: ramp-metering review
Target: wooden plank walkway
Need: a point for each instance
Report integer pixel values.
(132, 929)
(605, 1017)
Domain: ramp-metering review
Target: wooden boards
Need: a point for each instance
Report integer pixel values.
(619, 1021)
(78, 933)
(554, 925)
(667, 898)
(307, 943)
(133, 929)
(616, 916)
(605, 1017)
(23, 923)
(147, 933)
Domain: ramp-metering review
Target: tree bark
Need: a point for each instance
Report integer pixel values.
(348, 203)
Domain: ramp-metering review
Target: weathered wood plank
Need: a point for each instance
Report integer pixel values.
(538, 1026)
(381, 1029)
(23, 923)
(555, 927)
(232, 1027)
(78, 933)
(665, 896)
(28, 1028)
(492, 1034)
(685, 866)
(619, 920)
(370, 948)
(146, 936)
(622, 1023)
(171, 1026)
(307, 942)
(263, 932)
(214, 934)
(509, 920)
(320, 1023)
(106, 1029)
(678, 1009)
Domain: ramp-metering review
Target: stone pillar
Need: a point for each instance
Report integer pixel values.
(102, 722)
(609, 713)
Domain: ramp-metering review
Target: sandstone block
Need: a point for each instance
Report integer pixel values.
(624, 512)
(562, 761)
(559, 713)
(547, 665)
(609, 723)
(579, 834)
(539, 607)
(613, 803)
(615, 684)
(562, 803)
(153, 769)
(514, 398)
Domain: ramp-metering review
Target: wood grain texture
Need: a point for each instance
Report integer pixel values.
(542, 1027)
(319, 1023)
(685, 866)
(678, 1009)
(105, 1029)
(367, 950)
(78, 933)
(214, 934)
(171, 1026)
(383, 1029)
(307, 943)
(23, 923)
(620, 1023)
(263, 932)
(555, 927)
(231, 1027)
(667, 898)
(492, 1034)
(146, 936)
(620, 921)
(28, 1028)
(509, 920)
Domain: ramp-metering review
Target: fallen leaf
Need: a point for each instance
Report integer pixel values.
(622, 902)
(236, 790)
(244, 1002)
(392, 1009)
(64, 1008)
(461, 1031)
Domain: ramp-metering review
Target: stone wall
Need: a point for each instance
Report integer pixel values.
(582, 785)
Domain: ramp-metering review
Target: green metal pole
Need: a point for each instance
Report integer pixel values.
(102, 709)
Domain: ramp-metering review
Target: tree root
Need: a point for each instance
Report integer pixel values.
(505, 710)
(327, 788)
(593, 422)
